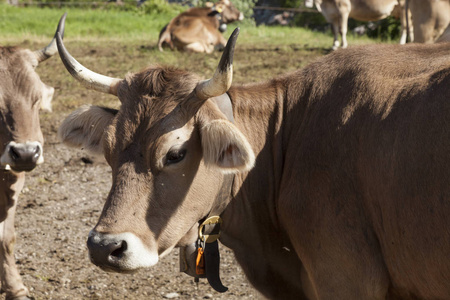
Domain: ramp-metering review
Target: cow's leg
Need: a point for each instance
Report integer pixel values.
(11, 281)
(423, 22)
(343, 23)
(335, 30)
(344, 34)
(406, 24)
(336, 13)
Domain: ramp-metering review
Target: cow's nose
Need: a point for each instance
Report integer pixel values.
(105, 253)
(24, 157)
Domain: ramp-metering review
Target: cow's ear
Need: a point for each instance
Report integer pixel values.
(226, 147)
(85, 127)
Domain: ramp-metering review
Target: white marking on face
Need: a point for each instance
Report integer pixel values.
(136, 255)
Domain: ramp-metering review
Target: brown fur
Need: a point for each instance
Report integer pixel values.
(199, 26)
(348, 198)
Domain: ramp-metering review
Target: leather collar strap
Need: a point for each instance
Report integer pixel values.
(209, 233)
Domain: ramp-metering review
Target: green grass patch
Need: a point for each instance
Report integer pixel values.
(33, 22)
(109, 22)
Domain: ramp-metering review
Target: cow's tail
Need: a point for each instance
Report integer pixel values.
(164, 37)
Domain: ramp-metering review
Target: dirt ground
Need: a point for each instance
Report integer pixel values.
(62, 198)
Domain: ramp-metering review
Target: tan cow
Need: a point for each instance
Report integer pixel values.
(22, 93)
(430, 19)
(198, 29)
(332, 182)
(337, 12)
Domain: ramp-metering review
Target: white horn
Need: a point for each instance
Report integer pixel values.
(88, 78)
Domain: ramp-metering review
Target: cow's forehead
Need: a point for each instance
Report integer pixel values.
(29, 57)
(18, 77)
(164, 84)
(17, 59)
(154, 105)
(156, 99)
(149, 122)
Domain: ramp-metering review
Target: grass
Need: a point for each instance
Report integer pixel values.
(34, 24)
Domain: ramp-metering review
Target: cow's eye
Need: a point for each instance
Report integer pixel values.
(175, 155)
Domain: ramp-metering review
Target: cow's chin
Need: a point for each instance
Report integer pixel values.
(118, 270)
(190, 237)
(128, 266)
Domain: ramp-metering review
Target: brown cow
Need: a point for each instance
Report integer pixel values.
(332, 181)
(337, 12)
(197, 29)
(22, 93)
(430, 19)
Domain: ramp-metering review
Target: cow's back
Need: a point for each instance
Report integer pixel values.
(368, 146)
(197, 32)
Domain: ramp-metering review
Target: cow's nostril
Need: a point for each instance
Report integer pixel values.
(121, 248)
(14, 154)
(37, 153)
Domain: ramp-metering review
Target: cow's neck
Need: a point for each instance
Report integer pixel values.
(250, 222)
(258, 112)
(10, 186)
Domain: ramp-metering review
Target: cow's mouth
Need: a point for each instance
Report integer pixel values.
(111, 269)
(17, 169)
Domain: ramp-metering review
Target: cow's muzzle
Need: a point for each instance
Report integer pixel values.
(22, 157)
(124, 252)
(106, 253)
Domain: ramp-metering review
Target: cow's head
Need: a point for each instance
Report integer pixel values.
(22, 94)
(228, 12)
(169, 146)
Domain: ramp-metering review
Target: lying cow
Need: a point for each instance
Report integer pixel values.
(198, 29)
(430, 19)
(337, 12)
(22, 93)
(332, 182)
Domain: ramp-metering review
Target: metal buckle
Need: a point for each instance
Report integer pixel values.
(213, 233)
